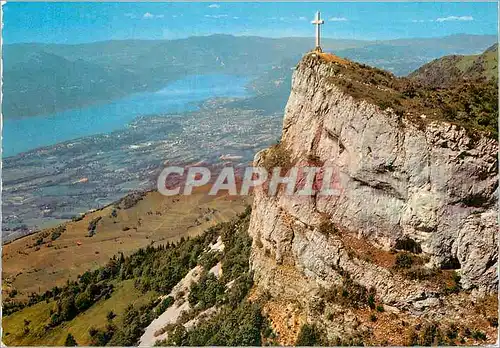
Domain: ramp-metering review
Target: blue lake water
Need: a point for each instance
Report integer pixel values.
(20, 135)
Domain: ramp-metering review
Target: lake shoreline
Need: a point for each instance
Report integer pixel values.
(61, 181)
(185, 95)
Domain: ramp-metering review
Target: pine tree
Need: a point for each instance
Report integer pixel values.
(70, 341)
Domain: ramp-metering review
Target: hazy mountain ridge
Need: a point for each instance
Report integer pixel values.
(449, 70)
(106, 70)
(62, 84)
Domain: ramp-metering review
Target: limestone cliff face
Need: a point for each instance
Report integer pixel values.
(435, 185)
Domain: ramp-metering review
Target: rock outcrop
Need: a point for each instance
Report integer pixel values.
(434, 186)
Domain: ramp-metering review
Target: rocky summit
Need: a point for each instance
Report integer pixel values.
(415, 220)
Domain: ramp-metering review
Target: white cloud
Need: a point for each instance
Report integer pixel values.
(216, 16)
(302, 18)
(214, 6)
(444, 19)
(455, 18)
(236, 17)
(149, 15)
(338, 19)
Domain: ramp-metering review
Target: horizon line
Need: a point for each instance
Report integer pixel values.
(244, 36)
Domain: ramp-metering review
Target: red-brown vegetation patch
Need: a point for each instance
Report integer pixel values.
(332, 58)
(286, 320)
(366, 251)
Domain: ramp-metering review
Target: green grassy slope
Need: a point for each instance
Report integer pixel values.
(450, 70)
(16, 332)
(456, 89)
(130, 287)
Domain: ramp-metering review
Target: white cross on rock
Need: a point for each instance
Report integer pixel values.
(317, 21)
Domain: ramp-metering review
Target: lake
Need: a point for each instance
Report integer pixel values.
(24, 134)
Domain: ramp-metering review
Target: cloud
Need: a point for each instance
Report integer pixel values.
(214, 6)
(444, 19)
(455, 18)
(302, 18)
(149, 15)
(338, 19)
(216, 16)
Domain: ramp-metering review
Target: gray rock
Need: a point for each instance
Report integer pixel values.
(428, 302)
(434, 185)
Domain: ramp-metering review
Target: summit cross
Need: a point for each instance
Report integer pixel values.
(317, 21)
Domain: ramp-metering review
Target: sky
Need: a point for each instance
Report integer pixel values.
(89, 22)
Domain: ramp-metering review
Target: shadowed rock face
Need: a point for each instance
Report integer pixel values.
(433, 184)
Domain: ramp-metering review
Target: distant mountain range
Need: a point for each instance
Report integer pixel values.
(46, 78)
(449, 70)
